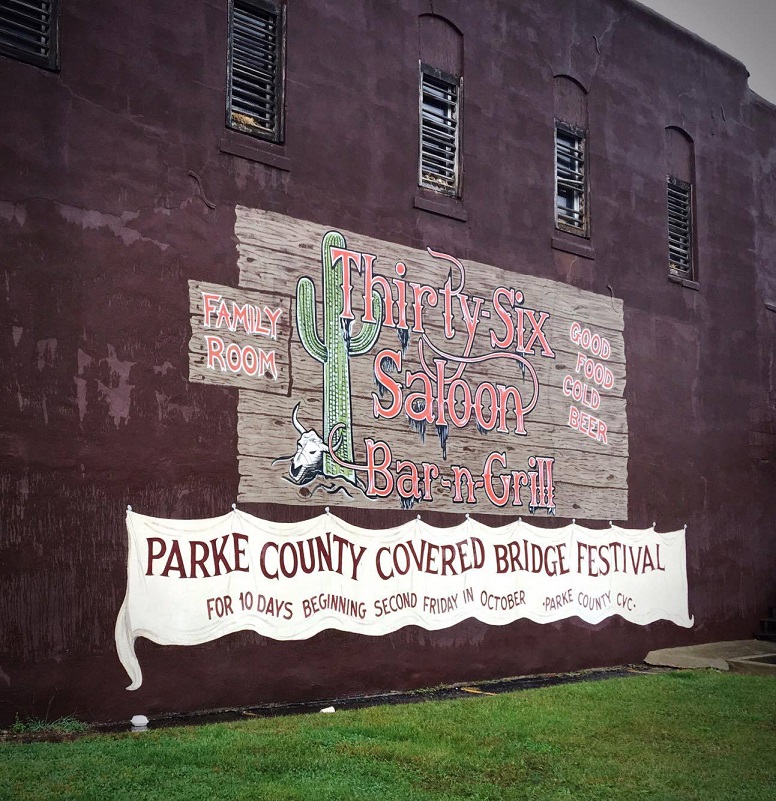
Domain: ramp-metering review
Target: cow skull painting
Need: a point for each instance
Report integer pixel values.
(307, 462)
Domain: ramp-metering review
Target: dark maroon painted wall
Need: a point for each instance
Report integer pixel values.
(104, 171)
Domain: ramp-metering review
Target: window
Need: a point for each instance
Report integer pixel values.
(29, 31)
(256, 52)
(439, 130)
(679, 201)
(570, 179)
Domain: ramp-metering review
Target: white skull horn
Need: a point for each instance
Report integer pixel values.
(295, 420)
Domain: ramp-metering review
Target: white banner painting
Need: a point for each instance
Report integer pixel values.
(193, 581)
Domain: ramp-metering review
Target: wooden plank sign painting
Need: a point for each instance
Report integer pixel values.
(375, 375)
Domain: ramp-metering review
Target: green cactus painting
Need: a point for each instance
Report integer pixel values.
(334, 349)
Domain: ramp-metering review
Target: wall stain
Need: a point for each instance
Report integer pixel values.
(116, 224)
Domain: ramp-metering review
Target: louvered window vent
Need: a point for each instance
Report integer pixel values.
(439, 126)
(255, 69)
(679, 199)
(570, 180)
(28, 31)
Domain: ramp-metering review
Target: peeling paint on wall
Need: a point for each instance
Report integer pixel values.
(117, 225)
(119, 394)
(47, 352)
(13, 212)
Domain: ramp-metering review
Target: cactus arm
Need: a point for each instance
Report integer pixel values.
(367, 336)
(331, 239)
(305, 320)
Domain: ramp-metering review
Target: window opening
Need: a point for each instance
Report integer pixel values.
(29, 31)
(679, 200)
(439, 126)
(255, 69)
(570, 179)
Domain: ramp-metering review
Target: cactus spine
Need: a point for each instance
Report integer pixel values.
(335, 348)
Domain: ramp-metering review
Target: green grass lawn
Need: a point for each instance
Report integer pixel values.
(684, 735)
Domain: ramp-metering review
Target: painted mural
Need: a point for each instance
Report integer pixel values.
(192, 581)
(375, 375)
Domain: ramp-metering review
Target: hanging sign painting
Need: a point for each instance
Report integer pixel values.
(381, 376)
(193, 581)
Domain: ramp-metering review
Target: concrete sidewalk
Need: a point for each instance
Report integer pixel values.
(740, 656)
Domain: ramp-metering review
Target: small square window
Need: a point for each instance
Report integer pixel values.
(570, 180)
(439, 130)
(29, 31)
(256, 68)
(680, 233)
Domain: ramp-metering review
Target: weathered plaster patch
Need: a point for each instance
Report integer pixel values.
(163, 369)
(13, 212)
(20, 399)
(16, 333)
(118, 397)
(117, 225)
(117, 392)
(24, 488)
(118, 368)
(161, 402)
(167, 407)
(84, 360)
(47, 352)
(80, 388)
(242, 172)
